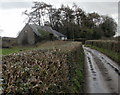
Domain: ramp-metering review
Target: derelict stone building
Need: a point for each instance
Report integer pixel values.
(29, 35)
(33, 33)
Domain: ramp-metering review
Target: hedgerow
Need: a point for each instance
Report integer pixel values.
(106, 44)
(35, 72)
(109, 47)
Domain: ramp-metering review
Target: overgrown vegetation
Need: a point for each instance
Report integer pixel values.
(109, 47)
(72, 21)
(45, 35)
(57, 69)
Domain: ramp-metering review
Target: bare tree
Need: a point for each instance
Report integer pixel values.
(38, 13)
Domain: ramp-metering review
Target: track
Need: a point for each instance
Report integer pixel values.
(0, 75)
(102, 74)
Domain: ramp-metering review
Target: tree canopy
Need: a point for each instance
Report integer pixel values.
(73, 21)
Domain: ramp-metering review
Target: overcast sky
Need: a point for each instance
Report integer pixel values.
(12, 21)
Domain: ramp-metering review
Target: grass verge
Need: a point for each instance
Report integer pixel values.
(113, 55)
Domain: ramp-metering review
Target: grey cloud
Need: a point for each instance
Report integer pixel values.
(1, 31)
(11, 5)
(101, 7)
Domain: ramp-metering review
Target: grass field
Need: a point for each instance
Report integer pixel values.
(43, 45)
(14, 50)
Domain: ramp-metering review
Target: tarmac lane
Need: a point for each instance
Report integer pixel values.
(102, 74)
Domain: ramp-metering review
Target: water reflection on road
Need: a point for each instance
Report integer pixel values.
(102, 74)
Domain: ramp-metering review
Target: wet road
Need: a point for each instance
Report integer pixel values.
(102, 74)
(0, 76)
(0, 69)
